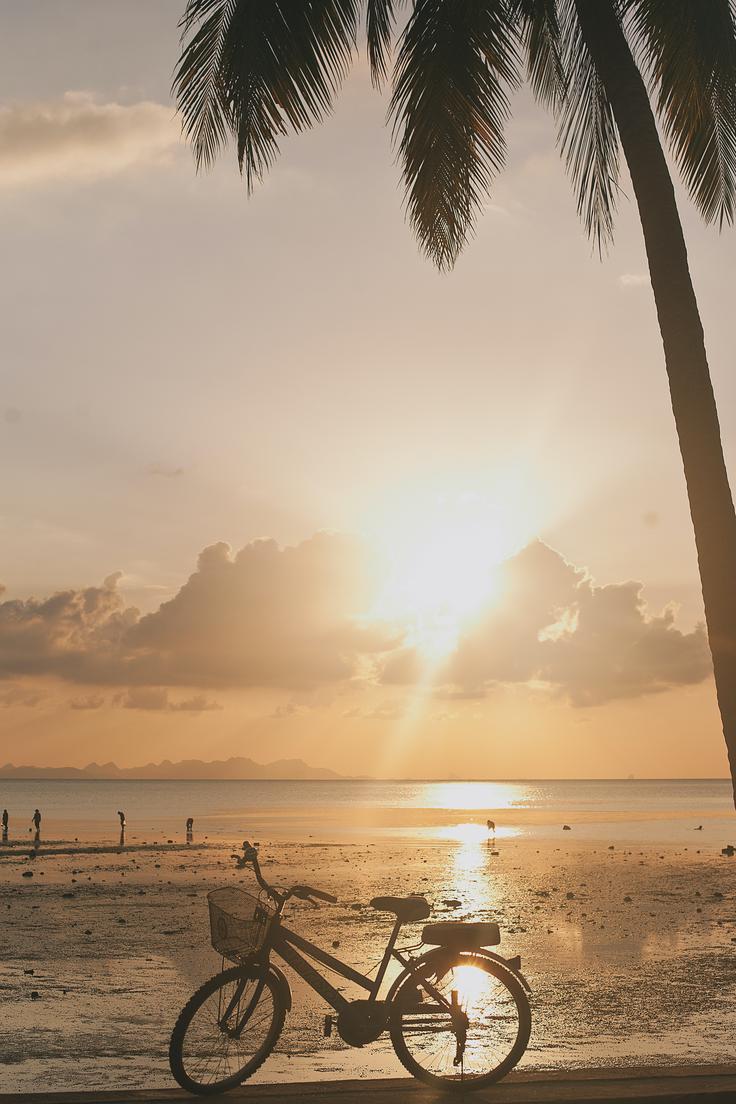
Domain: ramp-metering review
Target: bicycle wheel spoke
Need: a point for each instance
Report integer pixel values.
(226, 1033)
(478, 1028)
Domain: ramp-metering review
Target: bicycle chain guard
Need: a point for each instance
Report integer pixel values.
(362, 1022)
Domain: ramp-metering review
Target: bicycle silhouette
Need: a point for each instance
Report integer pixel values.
(457, 1015)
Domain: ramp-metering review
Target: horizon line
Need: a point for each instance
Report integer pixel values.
(375, 778)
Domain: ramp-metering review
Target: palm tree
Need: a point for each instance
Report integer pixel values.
(253, 69)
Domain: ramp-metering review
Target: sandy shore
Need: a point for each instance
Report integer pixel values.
(631, 952)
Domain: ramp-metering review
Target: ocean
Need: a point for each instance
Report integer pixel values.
(646, 810)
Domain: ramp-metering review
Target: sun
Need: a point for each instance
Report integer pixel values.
(442, 570)
(441, 582)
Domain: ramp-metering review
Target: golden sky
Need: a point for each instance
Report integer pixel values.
(274, 487)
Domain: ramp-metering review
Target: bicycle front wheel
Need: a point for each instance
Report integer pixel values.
(226, 1031)
(460, 1023)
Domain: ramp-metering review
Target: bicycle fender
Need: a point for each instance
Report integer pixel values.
(282, 983)
(513, 965)
(437, 953)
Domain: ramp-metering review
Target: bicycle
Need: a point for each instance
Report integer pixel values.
(458, 1014)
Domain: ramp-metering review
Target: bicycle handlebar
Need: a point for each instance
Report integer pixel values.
(309, 891)
(303, 892)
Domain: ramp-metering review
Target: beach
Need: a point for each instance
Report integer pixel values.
(630, 950)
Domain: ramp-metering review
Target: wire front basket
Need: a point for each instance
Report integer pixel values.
(239, 922)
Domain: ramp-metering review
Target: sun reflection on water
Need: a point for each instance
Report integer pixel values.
(475, 795)
(473, 833)
(472, 869)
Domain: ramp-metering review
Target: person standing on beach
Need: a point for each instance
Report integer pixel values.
(190, 825)
(121, 814)
(37, 823)
(5, 823)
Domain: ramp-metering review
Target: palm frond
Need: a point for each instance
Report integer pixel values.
(587, 133)
(688, 48)
(456, 60)
(379, 22)
(197, 80)
(251, 69)
(540, 32)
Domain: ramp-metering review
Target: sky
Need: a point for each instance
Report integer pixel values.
(275, 487)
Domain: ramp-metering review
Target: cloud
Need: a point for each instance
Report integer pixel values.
(402, 665)
(616, 650)
(289, 709)
(144, 697)
(591, 644)
(293, 618)
(164, 470)
(198, 704)
(12, 696)
(75, 634)
(77, 138)
(91, 701)
(386, 711)
(635, 279)
(156, 699)
(265, 616)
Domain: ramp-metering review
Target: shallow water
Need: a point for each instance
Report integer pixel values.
(625, 811)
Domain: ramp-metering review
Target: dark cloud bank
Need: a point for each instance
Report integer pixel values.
(290, 617)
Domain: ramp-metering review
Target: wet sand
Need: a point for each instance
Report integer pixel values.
(631, 952)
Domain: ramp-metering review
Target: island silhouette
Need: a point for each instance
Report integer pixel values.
(236, 768)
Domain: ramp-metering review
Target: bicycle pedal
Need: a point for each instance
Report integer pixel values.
(327, 1029)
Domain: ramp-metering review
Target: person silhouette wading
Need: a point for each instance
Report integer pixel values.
(121, 814)
(37, 823)
(190, 828)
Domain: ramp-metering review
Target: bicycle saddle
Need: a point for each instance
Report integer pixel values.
(462, 934)
(405, 908)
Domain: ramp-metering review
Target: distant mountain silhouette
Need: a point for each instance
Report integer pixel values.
(235, 768)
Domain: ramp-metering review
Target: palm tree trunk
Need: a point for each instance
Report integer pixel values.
(691, 390)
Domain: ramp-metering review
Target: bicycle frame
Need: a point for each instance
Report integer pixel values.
(287, 944)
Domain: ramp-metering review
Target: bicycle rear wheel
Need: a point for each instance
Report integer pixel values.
(226, 1031)
(473, 1035)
